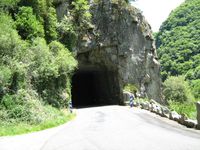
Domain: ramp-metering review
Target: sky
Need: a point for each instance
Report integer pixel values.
(156, 11)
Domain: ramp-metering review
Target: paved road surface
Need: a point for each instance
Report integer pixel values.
(109, 128)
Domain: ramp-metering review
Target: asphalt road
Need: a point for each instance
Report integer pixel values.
(109, 128)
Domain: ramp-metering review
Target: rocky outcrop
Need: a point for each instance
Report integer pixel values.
(122, 42)
(61, 8)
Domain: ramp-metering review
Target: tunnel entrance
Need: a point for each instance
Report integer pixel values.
(93, 87)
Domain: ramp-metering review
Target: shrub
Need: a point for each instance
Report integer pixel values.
(22, 106)
(64, 59)
(177, 89)
(42, 59)
(26, 107)
(52, 60)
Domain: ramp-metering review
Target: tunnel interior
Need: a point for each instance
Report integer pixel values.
(95, 87)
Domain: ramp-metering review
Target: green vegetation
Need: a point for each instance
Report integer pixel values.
(75, 25)
(35, 63)
(27, 25)
(140, 100)
(178, 41)
(130, 88)
(178, 44)
(13, 128)
(177, 91)
(187, 108)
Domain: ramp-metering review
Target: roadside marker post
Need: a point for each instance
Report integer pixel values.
(131, 100)
(70, 106)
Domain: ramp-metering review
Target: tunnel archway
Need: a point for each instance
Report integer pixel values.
(95, 86)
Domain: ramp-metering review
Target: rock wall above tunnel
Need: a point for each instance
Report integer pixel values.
(122, 41)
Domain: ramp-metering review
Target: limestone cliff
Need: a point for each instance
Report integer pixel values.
(122, 42)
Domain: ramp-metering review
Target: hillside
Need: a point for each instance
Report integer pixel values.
(178, 44)
(35, 65)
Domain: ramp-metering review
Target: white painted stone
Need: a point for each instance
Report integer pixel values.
(190, 123)
(175, 116)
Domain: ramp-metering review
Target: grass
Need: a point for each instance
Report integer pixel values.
(186, 108)
(16, 128)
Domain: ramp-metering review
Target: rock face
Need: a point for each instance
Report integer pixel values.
(121, 44)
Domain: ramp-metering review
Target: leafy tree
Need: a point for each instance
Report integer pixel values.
(39, 7)
(50, 25)
(177, 89)
(27, 24)
(8, 4)
(9, 38)
(50, 69)
(12, 74)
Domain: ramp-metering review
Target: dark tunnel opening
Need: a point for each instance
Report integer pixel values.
(94, 88)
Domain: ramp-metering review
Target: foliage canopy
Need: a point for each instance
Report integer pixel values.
(178, 44)
(178, 40)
